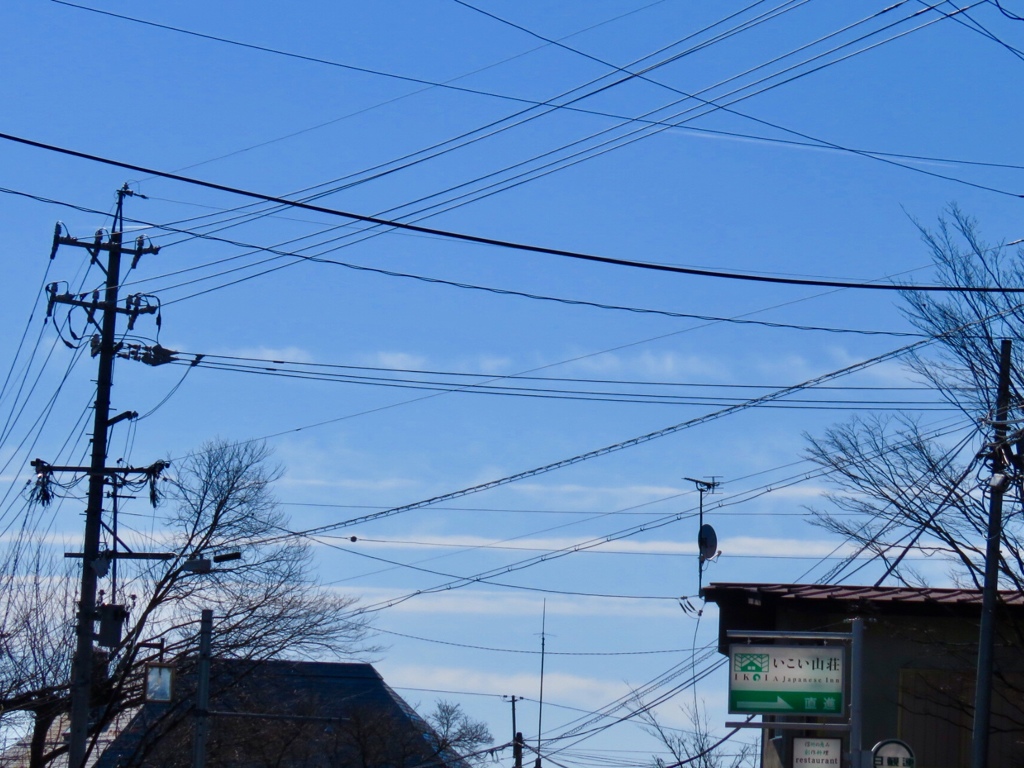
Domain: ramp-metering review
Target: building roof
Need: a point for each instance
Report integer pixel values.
(874, 596)
(326, 699)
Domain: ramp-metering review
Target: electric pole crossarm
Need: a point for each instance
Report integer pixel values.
(95, 247)
(153, 470)
(94, 304)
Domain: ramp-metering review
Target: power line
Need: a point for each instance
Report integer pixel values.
(550, 393)
(482, 240)
(778, 394)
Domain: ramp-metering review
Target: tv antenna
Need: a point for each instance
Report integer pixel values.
(707, 539)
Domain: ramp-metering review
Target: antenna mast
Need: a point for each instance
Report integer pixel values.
(707, 539)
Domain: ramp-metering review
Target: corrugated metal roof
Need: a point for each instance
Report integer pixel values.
(844, 593)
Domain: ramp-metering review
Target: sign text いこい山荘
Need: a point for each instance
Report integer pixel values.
(786, 680)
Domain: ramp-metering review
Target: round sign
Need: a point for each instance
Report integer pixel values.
(892, 752)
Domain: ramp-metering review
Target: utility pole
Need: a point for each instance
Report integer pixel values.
(990, 591)
(106, 348)
(517, 737)
(858, 757)
(202, 691)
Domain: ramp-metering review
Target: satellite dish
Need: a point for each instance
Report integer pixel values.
(707, 542)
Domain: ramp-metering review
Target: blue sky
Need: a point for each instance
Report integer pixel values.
(333, 94)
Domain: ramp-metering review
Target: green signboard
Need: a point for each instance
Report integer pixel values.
(786, 680)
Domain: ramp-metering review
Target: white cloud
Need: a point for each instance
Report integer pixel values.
(571, 690)
(379, 484)
(477, 603)
(397, 360)
(652, 365)
(494, 365)
(751, 545)
(740, 545)
(288, 354)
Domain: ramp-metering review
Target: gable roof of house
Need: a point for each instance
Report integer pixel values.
(277, 690)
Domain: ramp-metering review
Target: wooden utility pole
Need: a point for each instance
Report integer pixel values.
(990, 591)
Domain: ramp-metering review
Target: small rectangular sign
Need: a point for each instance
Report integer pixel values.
(786, 680)
(817, 752)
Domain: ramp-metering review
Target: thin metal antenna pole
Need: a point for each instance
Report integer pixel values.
(540, 708)
(703, 486)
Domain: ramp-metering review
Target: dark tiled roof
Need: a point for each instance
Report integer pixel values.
(877, 595)
(333, 691)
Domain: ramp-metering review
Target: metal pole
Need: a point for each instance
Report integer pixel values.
(857, 693)
(540, 707)
(81, 671)
(986, 633)
(202, 712)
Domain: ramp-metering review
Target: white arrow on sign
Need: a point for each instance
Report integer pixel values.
(777, 704)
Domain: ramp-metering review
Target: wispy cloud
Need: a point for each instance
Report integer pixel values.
(290, 354)
(740, 545)
(403, 360)
(567, 689)
(488, 602)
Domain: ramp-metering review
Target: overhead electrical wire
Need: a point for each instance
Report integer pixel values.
(609, 64)
(525, 651)
(703, 419)
(840, 571)
(387, 102)
(488, 575)
(482, 240)
(440, 544)
(562, 379)
(580, 736)
(740, 497)
(556, 165)
(485, 387)
(643, 132)
(456, 579)
(784, 7)
(476, 131)
(431, 84)
(981, 29)
(741, 320)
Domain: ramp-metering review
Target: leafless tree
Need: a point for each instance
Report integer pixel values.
(266, 604)
(901, 485)
(696, 745)
(457, 732)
